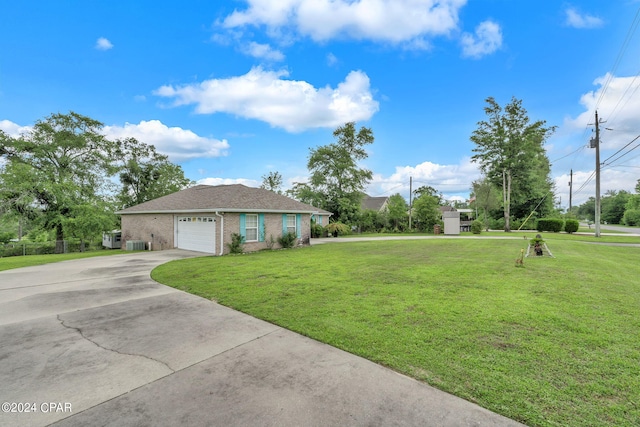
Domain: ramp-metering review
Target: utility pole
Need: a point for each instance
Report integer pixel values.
(570, 189)
(597, 147)
(410, 204)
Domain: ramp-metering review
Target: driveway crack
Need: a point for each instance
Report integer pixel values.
(79, 331)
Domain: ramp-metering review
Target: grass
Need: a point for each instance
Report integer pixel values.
(553, 343)
(30, 260)
(584, 235)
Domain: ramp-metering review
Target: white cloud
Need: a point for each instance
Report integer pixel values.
(618, 106)
(617, 109)
(487, 39)
(454, 181)
(289, 104)
(577, 20)
(177, 143)
(393, 21)
(12, 129)
(103, 44)
(229, 181)
(331, 59)
(262, 51)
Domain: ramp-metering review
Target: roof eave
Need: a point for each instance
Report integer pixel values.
(223, 210)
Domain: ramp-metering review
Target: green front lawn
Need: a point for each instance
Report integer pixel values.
(554, 343)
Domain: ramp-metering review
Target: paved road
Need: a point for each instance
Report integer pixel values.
(97, 342)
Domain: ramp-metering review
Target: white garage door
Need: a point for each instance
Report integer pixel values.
(196, 233)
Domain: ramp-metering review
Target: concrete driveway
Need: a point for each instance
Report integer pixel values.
(97, 342)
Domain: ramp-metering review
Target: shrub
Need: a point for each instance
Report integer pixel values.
(571, 225)
(316, 230)
(287, 240)
(554, 225)
(476, 227)
(237, 244)
(5, 237)
(631, 217)
(337, 229)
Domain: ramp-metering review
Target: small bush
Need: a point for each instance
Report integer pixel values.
(5, 237)
(554, 225)
(631, 217)
(571, 225)
(476, 227)
(316, 230)
(237, 244)
(288, 240)
(337, 229)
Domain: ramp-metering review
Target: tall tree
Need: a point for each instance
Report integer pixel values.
(510, 152)
(146, 174)
(485, 197)
(336, 174)
(272, 181)
(425, 211)
(64, 161)
(397, 211)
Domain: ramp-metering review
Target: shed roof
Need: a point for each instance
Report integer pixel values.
(223, 198)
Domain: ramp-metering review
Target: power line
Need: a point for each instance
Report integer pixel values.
(623, 48)
(632, 141)
(573, 152)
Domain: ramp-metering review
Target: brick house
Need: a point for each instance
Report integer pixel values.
(203, 218)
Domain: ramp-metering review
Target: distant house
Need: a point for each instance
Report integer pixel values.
(378, 204)
(203, 218)
(456, 220)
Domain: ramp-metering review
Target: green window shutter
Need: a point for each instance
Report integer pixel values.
(284, 224)
(243, 226)
(261, 229)
(299, 225)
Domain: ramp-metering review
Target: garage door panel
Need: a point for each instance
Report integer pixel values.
(197, 233)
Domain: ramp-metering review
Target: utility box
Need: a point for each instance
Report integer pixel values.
(112, 240)
(451, 222)
(135, 245)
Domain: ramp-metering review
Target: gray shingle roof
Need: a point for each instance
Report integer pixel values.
(373, 203)
(223, 198)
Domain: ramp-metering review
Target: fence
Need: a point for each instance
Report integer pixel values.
(24, 247)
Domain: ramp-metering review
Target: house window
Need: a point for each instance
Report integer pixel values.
(251, 228)
(291, 224)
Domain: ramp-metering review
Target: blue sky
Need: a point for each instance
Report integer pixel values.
(232, 90)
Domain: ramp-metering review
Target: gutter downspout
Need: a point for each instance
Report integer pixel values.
(221, 233)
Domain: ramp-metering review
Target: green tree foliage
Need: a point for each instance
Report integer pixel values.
(425, 212)
(337, 181)
(371, 220)
(146, 174)
(87, 221)
(510, 152)
(272, 181)
(486, 198)
(613, 205)
(63, 162)
(429, 191)
(397, 212)
(587, 210)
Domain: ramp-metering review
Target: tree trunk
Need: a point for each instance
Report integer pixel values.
(59, 239)
(506, 198)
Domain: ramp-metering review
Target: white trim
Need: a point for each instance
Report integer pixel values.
(214, 210)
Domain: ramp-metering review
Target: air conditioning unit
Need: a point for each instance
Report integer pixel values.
(135, 245)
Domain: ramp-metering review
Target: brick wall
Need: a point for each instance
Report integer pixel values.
(142, 226)
(273, 228)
